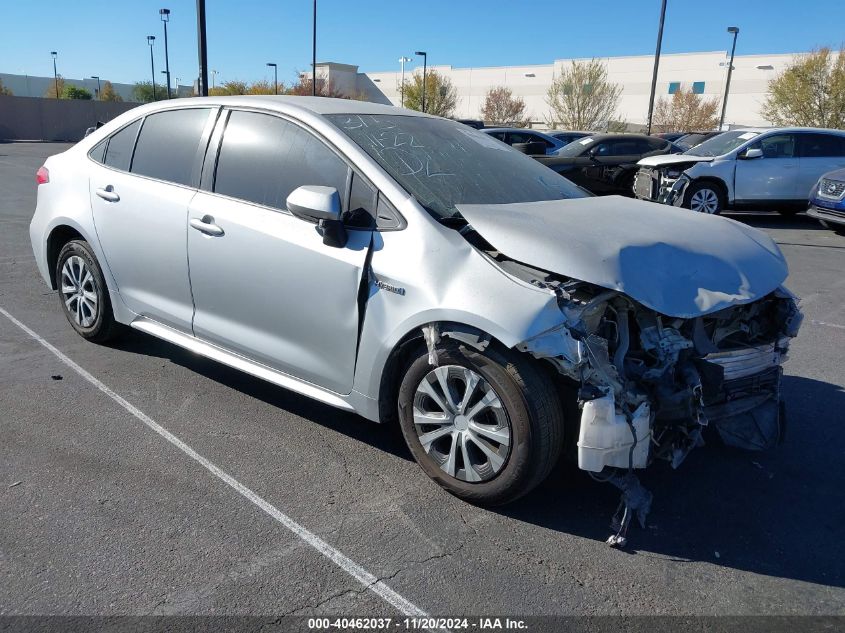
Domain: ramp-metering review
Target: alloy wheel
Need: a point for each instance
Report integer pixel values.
(461, 423)
(79, 291)
(704, 201)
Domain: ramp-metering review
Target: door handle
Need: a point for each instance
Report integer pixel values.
(108, 194)
(206, 225)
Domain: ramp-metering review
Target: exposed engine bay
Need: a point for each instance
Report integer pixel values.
(649, 384)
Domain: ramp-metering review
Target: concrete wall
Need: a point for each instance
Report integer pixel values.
(748, 84)
(33, 118)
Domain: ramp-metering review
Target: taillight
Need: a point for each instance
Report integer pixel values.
(42, 176)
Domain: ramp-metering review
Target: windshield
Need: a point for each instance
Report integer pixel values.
(443, 163)
(575, 147)
(722, 144)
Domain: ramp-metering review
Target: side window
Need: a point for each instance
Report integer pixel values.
(362, 204)
(263, 158)
(167, 146)
(121, 144)
(822, 145)
(98, 153)
(776, 146)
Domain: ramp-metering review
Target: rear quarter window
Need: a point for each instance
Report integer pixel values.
(120, 146)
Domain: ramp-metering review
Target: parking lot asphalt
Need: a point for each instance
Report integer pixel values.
(101, 515)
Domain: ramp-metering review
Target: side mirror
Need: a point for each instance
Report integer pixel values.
(594, 151)
(321, 205)
(752, 152)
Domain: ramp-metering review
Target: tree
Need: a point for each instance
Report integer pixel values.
(227, 88)
(142, 92)
(264, 87)
(502, 108)
(325, 88)
(582, 98)
(5, 91)
(810, 92)
(74, 92)
(108, 93)
(685, 112)
(440, 94)
(51, 90)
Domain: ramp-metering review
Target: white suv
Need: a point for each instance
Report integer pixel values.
(774, 169)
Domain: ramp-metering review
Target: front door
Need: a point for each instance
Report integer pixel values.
(772, 177)
(266, 286)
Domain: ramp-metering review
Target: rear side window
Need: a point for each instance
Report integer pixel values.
(822, 145)
(119, 150)
(263, 158)
(167, 146)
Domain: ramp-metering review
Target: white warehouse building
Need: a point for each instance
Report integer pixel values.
(704, 73)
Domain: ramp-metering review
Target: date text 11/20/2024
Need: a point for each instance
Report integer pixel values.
(417, 624)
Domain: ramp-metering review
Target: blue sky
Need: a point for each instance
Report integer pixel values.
(108, 38)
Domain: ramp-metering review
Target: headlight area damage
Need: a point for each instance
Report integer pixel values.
(651, 383)
(658, 362)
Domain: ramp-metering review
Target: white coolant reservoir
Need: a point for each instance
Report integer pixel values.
(606, 438)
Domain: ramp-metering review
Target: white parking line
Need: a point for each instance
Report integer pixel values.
(826, 324)
(368, 580)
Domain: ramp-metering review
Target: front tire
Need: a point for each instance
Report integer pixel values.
(83, 293)
(704, 197)
(486, 426)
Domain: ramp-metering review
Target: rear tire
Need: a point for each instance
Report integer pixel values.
(83, 293)
(490, 455)
(704, 197)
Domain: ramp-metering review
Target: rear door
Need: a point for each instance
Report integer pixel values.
(820, 153)
(267, 287)
(772, 177)
(139, 197)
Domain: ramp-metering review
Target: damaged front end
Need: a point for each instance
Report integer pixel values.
(651, 383)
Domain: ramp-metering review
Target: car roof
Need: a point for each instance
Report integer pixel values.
(613, 137)
(513, 129)
(761, 130)
(584, 132)
(287, 103)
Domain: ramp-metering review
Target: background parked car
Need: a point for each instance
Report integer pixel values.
(670, 136)
(774, 169)
(688, 141)
(606, 163)
(515, 135)
(827, 202)
(473, 123)
(567, 136)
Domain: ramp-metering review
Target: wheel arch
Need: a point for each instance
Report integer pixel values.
(414, 342)
(59, 235)
(716, 182)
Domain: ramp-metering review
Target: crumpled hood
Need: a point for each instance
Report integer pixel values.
(672, 159)
(675, 261)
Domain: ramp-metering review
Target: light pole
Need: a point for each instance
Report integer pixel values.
(425, 64)
(213, 76)
(55, 74)
(275, 77)
(735, 31)
(656, 64)
(165, 17)
(98, 85)
(202, 49)
(151, 40)
(314, 53)
(402, 61)
(177, 87)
